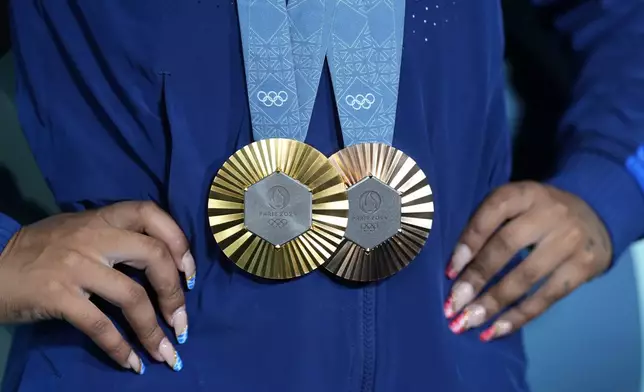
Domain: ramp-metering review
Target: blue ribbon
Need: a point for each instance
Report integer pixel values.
(284, 51)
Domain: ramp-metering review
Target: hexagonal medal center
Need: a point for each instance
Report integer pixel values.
(374, 213)
(278, 208)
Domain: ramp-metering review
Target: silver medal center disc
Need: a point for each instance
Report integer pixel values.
(278, 209)
(374, 213)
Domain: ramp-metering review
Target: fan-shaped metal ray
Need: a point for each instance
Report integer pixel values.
(310, 169)
(413, 224)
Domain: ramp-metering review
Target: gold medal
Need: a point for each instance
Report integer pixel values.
(391, 208)
(278, 209)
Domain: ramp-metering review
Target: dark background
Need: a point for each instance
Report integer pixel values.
(4, 27)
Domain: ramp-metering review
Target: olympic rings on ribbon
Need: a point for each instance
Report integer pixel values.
(360, 101)
(272, 98)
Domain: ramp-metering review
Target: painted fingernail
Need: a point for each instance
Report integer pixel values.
(448, 308)
(462, 255)
(191, 280)
(471, 317)
(170, 355)
(499, 329)
(451, 272)
(189, 269)
(462, 294)
(135, 363)
(180, 324)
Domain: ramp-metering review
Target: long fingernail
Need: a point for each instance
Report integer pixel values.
(451, 272)
(448, 308)
(499, 329)
(462, 293)
(135, 363)
(180, 324)
(462, 255)
(472, 317)
(189, 269)
(170, 355)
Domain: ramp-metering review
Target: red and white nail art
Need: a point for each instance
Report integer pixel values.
(461, 257)
(499, 329)
(462, 293)
(471, 317)
(451, 272)
(448, 308)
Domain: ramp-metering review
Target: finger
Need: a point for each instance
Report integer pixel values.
(149, 254)
(565, 279)
(86, 317)
(148, 218)
(521, 232)
(505, 203)
(546, 257)
(131, 297)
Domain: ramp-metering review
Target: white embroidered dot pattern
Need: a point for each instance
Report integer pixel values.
(437, 19)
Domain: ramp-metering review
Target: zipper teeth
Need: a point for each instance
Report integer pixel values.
(369, 347)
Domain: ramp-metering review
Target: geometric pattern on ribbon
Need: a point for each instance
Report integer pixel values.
(268, 60)
(364, 58)
(284, 50)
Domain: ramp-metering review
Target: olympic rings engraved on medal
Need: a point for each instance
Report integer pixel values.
(369, 227)
(272, 98)
(360, 101)
(278, 223)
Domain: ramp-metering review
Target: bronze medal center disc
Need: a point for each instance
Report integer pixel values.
(391, 209)
(278, 208)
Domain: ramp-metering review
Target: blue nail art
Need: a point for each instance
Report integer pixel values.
(183, 336)
(190, 281)
(142, 371)
(178, 363)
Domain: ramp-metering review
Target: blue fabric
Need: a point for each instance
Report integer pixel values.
(284, 51)
(146, 99)
(604, 126)
(635, 165)
(8, 227)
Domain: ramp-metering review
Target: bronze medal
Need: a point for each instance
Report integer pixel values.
(391, 209)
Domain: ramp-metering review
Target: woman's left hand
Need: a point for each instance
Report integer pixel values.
(571, 246)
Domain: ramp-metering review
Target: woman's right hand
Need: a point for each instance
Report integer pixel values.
(49, 269)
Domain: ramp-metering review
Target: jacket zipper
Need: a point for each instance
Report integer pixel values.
(368, 339)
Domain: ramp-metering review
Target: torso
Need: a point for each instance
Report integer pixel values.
(169, 76)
